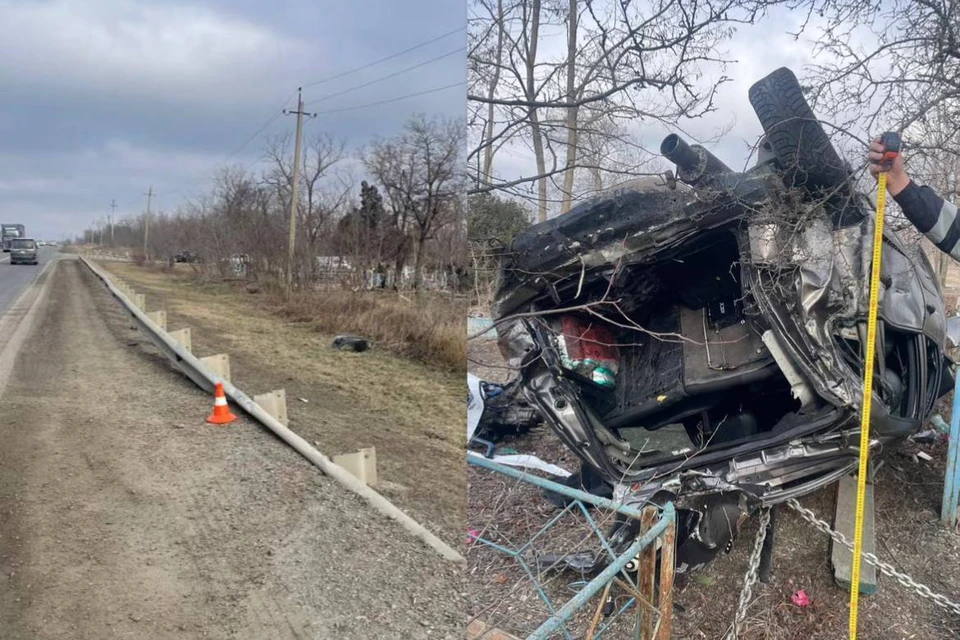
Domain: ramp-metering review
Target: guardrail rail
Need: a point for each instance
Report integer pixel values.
(205, 378)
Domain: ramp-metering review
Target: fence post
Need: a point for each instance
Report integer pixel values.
(951, 479)
(667, 562)
(645, 576)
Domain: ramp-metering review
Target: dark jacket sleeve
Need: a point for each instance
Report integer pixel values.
(933, 216)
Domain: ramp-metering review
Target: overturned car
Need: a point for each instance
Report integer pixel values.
(703, 342)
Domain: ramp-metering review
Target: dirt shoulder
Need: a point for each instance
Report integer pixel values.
(413, 414)
(910, 536)
(124, 515)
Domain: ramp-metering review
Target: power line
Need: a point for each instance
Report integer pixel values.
(390, 57)
(275, 115)
(273, 118)
(253, 136)
(387, 77)
(279, 111)
(397, 99)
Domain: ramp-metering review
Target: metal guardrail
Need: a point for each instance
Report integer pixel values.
(206, 379)
(657, 524)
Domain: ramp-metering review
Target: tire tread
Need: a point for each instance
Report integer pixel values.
(803, 149)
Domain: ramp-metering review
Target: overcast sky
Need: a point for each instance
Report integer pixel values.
(100, 99)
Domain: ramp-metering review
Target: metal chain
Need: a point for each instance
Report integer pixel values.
(750, 579)
(886, 569)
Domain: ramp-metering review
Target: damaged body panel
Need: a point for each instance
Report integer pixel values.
(704, 344)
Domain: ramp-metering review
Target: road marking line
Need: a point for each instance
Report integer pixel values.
(20, 316)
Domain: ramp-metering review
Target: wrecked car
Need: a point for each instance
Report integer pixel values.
(496, 411)
(703, 342)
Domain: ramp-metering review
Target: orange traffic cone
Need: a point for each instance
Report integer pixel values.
(221, 410)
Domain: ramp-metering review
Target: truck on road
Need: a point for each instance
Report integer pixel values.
(8, 232)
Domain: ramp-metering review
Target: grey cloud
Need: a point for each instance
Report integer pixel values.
(135, 93)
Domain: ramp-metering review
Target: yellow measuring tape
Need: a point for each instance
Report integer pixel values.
(867, 402)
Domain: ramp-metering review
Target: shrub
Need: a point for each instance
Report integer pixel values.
(428, 327)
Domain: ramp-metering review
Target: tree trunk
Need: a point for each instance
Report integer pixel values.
(417, 263)
(491, 94)
(572, 111)
(399, 264)
(943, 268)
(531, 91)
(597, 180)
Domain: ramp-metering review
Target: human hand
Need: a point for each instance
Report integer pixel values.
(897, 178)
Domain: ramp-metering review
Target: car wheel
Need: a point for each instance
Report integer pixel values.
(804, 152)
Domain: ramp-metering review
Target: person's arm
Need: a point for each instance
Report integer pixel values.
(933, 216)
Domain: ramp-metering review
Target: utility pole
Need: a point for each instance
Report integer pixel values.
(113, 214)
(146, 224)
(295, 186)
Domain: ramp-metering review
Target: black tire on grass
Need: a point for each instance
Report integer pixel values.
(804, 152)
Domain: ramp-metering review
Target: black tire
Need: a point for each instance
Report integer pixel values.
(804, 152)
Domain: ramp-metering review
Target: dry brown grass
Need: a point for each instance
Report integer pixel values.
(428, 327)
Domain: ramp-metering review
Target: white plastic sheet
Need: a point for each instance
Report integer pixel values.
(474, 404)
(523, 460)
(527, 461)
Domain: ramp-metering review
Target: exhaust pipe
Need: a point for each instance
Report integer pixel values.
(677, 151)
(694, 163)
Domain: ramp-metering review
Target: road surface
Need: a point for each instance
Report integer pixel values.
(15, 278)
(124, 515)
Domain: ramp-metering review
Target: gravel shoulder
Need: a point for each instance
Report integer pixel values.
(413, 414)
(124, 515)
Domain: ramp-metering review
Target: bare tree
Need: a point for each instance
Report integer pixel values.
(240, 220)
(239, 227)
(487, 76)
(419, 171)
(319, 197)
(516, 53)
(391, 164)
(893, 66)
(623, 61)
(885, 65)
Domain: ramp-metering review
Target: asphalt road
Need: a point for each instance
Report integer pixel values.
(123, 514)
(14, 278)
